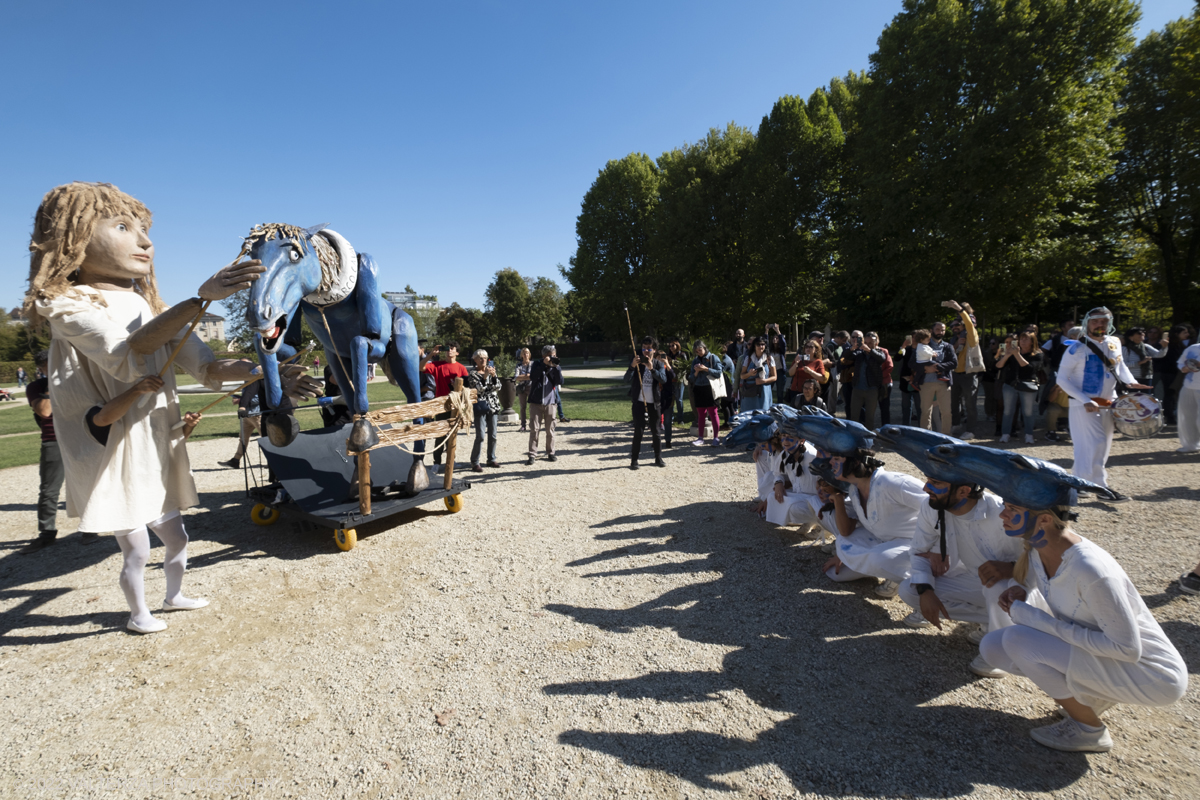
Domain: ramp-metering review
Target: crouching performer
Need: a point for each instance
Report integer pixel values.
(876, 520)
(793, 499)
(961, 560)
(92, 279)
(1096, 644)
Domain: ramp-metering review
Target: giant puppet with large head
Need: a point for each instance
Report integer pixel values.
(92, 280)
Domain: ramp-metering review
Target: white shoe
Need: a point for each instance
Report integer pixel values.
(967, 436)
(916, 620)
(985, 670)
(887, 589)
(699, 442)
(976, 635)
(198, 602)
(1188, 450)
(155, 626)
(1067, 735)
(1004, 438)
(814, 532)
(1029, 438)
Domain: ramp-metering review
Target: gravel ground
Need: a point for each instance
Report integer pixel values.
(578, 629)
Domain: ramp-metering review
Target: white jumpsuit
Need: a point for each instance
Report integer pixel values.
(971, 540)
(1083, 376)
(879, 545)
(800, 503)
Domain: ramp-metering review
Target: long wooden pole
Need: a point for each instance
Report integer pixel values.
(195, 322)
(255, 379)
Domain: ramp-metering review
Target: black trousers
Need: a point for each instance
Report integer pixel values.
(50, 469)
(641, 413)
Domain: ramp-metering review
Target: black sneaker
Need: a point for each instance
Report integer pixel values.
(1190, 583)
(1118, 498)
(1051, 436)
(658, 462)
(633, 465)
(87, 537)
(232, 463)
(552, 457)
(529, 461)
(40, 543)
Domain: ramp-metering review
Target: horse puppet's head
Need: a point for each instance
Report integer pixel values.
(312, 264)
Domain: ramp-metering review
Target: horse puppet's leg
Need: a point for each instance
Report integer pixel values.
(279, 426)
(363, 435)
(404, 369)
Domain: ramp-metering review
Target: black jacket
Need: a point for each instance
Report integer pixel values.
(539, 376)
(870, 360)
(633, 376)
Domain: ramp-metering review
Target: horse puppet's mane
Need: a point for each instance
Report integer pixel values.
(300, 237)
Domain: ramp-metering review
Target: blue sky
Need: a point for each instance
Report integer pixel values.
(449, 140)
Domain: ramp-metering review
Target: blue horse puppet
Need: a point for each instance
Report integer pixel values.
(315, 271)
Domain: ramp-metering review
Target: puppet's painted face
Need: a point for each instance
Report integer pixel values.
(120, 250)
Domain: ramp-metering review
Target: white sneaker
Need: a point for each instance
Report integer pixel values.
(976, 635)
(887, 589)
(1188, 450)
(1029, 438)
(967, 436)
(985, 670)
(1004, 438)
(917, 620)
(1067, 735)
(699, 442)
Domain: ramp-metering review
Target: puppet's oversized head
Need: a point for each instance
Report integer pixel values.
(93, 229)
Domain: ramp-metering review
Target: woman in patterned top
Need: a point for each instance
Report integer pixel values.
(487, 407)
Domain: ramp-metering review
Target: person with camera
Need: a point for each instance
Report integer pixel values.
(487, 407)
(776, 347)
(807, 365)
(1018, 361)
(864, 361)
(964, 393)
(545, 378)
(647, 379)
(524, 365)
(706, 373)
(755, 377)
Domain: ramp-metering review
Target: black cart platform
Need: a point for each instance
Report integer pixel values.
(312, 481)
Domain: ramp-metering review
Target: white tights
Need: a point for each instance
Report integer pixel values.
(135, 547)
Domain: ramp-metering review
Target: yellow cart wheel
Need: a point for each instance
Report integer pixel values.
(346, 538)
(454, 503)
(264, 515)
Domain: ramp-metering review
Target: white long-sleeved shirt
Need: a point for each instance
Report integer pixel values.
(971, 540)
(1192, 379)
(143, 471)
(892, 505)
(1082, 375)
(1119, 651)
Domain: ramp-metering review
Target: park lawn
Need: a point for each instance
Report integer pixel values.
(609, 403)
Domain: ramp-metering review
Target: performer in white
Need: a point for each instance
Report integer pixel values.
(1098, 645)
(767, 457)
(1189, 401)
(875, 522)
(793, 499)
(1088, 374)
(961, 561)
(92, 279)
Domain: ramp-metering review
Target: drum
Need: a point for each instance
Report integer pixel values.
(1138, 416)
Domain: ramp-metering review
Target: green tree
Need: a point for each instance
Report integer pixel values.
(793, 178)
(704, 274)
(983, 133)
(467, 326)
(611, 265)
(1156, 188)
(546, 310)
(506, 302)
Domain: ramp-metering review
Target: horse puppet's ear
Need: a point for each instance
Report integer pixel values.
(315, 229)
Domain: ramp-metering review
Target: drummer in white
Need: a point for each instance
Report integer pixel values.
(1089, 373)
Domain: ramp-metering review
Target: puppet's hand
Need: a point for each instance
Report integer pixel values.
(298, 384)
(231, 279)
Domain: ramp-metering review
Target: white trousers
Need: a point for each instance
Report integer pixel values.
(1188, 411)
(864, 556)
(797, 508)
(1092, 435)
(965, 597)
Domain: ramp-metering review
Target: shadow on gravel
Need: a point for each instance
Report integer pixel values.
(861, 691)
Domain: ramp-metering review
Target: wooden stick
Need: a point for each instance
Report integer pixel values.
(632, 343)
(451, 443)
(426, 408)
(256, 378)
(364, 483)
(195, 322)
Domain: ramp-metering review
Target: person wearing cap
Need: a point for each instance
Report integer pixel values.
(875, 521)
(1089, 372)
(964, 392)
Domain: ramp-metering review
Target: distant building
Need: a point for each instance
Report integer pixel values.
(411, 301)
(211, 327)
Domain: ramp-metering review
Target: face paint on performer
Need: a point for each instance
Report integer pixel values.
(837, 464)
(939, 494)
(790, 443)
(1017, 521)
